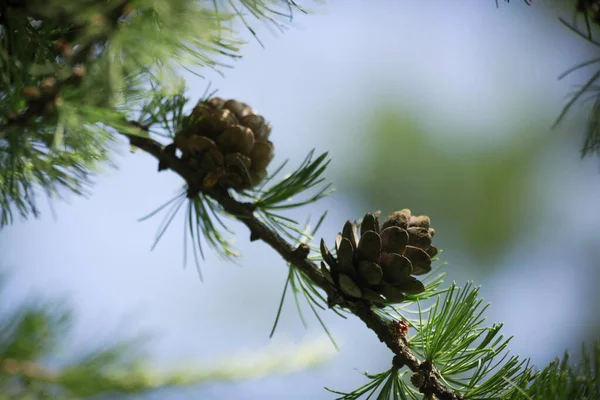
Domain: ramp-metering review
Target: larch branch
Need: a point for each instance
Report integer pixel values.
(386, 331)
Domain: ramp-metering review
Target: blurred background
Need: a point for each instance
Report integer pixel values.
(442, 107)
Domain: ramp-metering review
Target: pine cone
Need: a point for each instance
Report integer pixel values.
(383, 261)
(227, 142)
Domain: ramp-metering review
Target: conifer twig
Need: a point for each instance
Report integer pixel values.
(36, 106)
(387, 332)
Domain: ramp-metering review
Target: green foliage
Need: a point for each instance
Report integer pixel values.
(480, 189)
(306, 176)
(473, 360)
(81, 113)
(303, 287)
(165, 109)
(592, 137)
(33, 332)
(561, 380)
(468, 356)
(271, 197)
(203, 221)
(61, 152)
(162, 115)
(387, 385)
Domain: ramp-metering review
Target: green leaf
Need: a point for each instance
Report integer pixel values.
(202, 221)
(470, 358)
(308, 175)
(300, 284)
(561, 380)
(386, 385)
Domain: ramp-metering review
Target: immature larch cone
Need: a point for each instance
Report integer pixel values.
(379, 266)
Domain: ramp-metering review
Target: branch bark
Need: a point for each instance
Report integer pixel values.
(387, 332)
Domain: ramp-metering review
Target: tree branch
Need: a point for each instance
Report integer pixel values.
(387, 332)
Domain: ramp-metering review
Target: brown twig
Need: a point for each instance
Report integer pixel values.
(387, 332)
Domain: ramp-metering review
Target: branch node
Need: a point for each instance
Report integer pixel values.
(250, 206)
(254, 236)
(398, 362)
(398, 329)
(192, 191)
(145, 128)
(302, 251)
(334, 299)
(417, 379)
(168, 150)
(431, 385)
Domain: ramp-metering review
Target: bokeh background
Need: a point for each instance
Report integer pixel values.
(441, 107)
